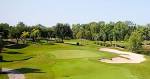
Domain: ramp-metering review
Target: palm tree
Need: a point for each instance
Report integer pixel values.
(34, 34)
(24, 35)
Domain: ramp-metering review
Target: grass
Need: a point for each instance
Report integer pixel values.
(68, 61)
(3, 76)
(88, 69)
(70, 54)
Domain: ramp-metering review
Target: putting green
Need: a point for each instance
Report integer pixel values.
(69, 54)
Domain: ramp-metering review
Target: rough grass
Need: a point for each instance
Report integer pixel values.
(68, 61)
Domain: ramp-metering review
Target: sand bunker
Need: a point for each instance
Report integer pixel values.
(12, 74)
(124, 57)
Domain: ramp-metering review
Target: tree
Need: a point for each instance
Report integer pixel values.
(4, 27)
(21, 27)
(24, 35)
(14, 34)
(16, 31)
(135, 41)
(79, 35)
(1, 47)
(103, 33)
(34, 34)
(75, 29)
(120, 30)
(110, 27)
(1, 42)
(68, 33)
(50, 33)
(148, 34)
(62, 31)
(94, 28)
(43, 30)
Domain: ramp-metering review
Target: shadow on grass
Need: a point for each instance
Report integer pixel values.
(16, 60)
(45, 43)
(11, 52)
(5, 61)
(9, 42)
(23, 71)
(28, 70)
(70, 44)
(74, 44)
(24, 59)
(16, 46)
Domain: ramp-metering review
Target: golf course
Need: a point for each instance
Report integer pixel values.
(74, 39)
(69, 61)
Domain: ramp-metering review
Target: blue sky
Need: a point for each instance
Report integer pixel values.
(50, 12)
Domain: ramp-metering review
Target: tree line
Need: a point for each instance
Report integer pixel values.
(96, 31)
(24, 32)
(127, 31)
(102, 31)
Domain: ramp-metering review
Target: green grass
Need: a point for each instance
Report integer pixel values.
(3, 76)
(68, 61)
(88, 69)
(70, 54)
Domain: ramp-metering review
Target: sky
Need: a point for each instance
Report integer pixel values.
(50, 12)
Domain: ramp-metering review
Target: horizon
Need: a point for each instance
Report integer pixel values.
(50, 12)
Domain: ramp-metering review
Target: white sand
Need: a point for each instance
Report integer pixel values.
(13, 74)
(125, 57)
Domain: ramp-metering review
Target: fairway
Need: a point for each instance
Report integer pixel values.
(65, 61)
(90, 69)
(69, 54)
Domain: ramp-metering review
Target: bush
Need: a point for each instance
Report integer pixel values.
(78, 44)
(121, 46)
(135, 41)
(107, 45)
(145, 52)
(148, 43)
(59, 41)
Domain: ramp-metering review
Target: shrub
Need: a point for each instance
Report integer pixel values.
(78, 44)
(135, 41)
